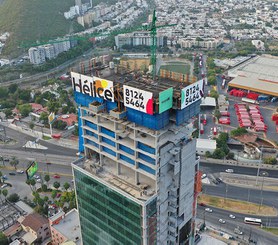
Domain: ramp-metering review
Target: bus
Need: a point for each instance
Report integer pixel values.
(252, 221)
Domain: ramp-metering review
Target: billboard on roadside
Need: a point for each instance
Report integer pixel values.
(32, 169)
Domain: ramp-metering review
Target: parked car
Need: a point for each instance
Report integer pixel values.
(222, 221)
(229, 170)
(58, 195)
(202, 204)
(36, 176)
(208, 210)
(238, 231)
(56, 176)
(20, 171)
(39, 180)
(232, 216)
(4, 177)
(204, 176)
(219, 180)
(12, 173)
(3, 186)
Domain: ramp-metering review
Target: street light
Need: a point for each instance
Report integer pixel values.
(263, 174)
(259, 165)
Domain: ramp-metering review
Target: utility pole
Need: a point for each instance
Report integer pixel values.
(264, 174)
(259, 166)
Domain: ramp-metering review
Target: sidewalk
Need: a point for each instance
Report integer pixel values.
(239, 163)
(264, 183)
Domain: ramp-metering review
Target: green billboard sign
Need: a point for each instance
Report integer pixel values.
(31, 170)
(165, 100)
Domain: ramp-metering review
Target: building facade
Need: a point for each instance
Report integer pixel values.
(139, 38)
(136, 183)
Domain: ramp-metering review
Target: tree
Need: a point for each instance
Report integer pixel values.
(5, 193)
(217, 114)
(47, 178)
(31, 125)
(12, 88)
(14, 162)
(44, 118)
(207, 154)
(13, 197)
(66, 186)
(1, 177)
(238, 132)
(25, 109)
(56, 185)
(218, 154)
(44, 188)
(270, 160)
(53, 194)
(214, 94)
(3, 239)
(33, 183)
(8, 112)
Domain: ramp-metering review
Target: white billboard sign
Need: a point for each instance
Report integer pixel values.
(93, 86)
(192, 93)
(138, 99)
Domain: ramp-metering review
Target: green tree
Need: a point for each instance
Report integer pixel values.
(5, 193)
(3, 239)
(53, 194)
(33, 183)
(207, 154)
(31, 125)
(8, 112)
(56, 185)
(44, 187)
(14, 162)
(217, 114)
(25, 109)
(270, 160)
(12, 88)
(44, 118)
(211, 80)
(214, 94)
(66, 186)
(218, 154)
(47, 178)
(13, 198)
(238, 132)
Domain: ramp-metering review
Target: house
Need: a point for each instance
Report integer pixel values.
(36, 227)
(70, 119)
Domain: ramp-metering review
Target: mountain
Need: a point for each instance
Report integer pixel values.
(31, 20)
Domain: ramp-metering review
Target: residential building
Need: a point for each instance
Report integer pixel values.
(49, 51)
(139, 38)
(36, 227)
(36, 55)
(65, 227)
(137, 182)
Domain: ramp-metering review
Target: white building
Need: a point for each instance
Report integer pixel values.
(36, 55)
(204, 145)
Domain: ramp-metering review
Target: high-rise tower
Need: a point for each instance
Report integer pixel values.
(136, 183)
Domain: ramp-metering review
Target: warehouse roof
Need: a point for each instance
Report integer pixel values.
(206, 144)
(256, 85)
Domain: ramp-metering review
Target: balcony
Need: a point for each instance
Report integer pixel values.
(117, 114)
(96, 106)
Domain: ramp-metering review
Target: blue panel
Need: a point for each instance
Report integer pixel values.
(91, 134)
(127, 159)
(82, 99)
(185, 114)
(146, 148)
(156, 122)
(146, 168)
(90, 142)
(126, 149)
(146, 158)
(107, 131)
(80, 133)
(108, 141)
(91, 125)
(113, 153)
(111, 105)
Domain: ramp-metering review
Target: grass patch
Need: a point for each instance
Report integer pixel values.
(237, 206)
(272, 230)
(45, 137)
(177, 67)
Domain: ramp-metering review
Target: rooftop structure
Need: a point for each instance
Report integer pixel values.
(136, 183)
(65, 227)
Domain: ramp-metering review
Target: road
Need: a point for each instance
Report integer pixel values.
(57, 71)
(249, 231)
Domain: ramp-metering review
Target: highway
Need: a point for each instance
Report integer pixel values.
(249, 231)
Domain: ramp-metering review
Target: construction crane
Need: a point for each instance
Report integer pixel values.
(152, 28)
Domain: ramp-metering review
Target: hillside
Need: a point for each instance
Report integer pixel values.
(30, 20)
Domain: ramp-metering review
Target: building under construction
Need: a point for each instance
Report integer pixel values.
(138, 180)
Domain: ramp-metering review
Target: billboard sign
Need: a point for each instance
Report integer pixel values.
(51, 118)
(165, 100)
(93, 86)
(138, 99)
(192, 93)
(31, 170)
